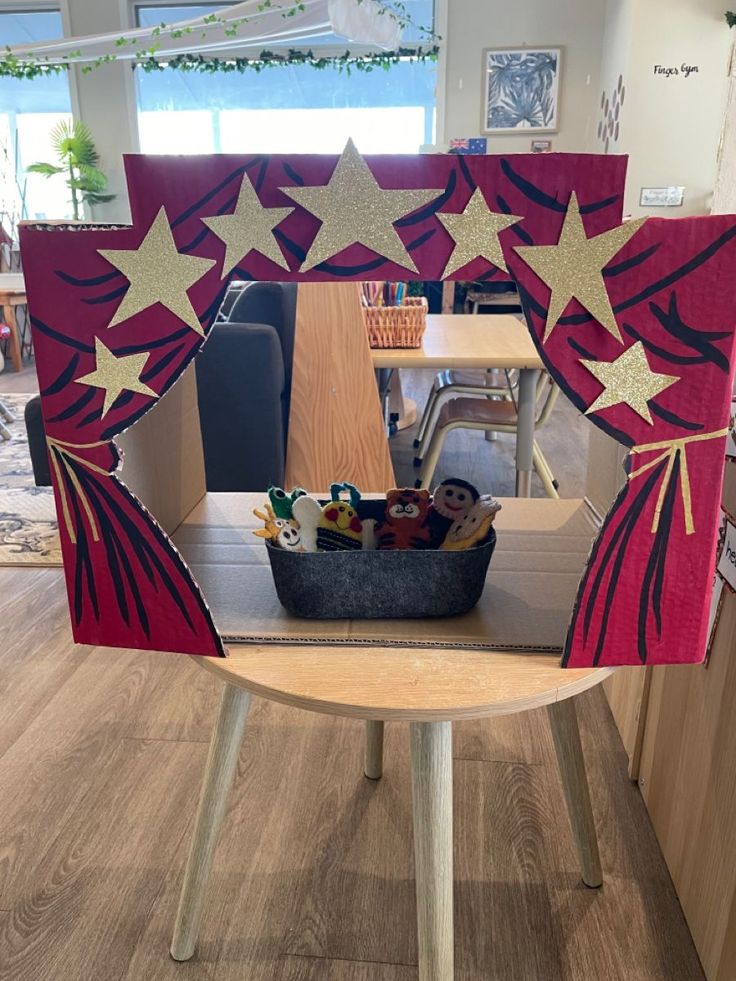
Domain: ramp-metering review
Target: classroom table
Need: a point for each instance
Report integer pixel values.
(458, 341)
(13, 294)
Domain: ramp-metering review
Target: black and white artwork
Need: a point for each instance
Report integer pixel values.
(521, 90)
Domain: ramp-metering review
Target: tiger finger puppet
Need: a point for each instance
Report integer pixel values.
(473, 527)
(451, 500)
(405, 524)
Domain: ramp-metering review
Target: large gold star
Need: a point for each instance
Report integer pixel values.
(116, 374)
(250, 227)
(574, 267)
(354, 209)
(475, 233)
(158, 273)
(628, 379)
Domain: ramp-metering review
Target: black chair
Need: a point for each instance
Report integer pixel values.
(274, 304)
(243, 389)
(37, 443)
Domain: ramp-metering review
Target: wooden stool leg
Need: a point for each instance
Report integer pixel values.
(431, 769)
(218, 778)
(14, 342)
(373, 767)
(564, 721)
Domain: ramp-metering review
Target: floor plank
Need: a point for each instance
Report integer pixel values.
(319, 969)
(94, 888)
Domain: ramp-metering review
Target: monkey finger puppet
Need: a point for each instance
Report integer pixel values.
(405, 524)
(473, 527)
(451, 500)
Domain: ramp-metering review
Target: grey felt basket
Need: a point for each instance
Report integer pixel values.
(372, 584)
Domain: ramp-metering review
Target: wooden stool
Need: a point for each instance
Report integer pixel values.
(430, 688)
(9, 302)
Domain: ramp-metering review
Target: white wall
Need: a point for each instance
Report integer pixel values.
(576, 25)
(669, 124)
(105, 99)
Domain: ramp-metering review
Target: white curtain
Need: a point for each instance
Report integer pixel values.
(364, 22)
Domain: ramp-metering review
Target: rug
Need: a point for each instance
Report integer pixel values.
(29, 533)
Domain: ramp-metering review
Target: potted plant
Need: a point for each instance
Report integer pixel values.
(78, 159)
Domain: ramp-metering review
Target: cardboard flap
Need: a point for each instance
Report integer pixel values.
(531, 584)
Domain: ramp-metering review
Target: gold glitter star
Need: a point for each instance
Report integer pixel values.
(475, 233)
(116, 374)
(158, 273)
(250, 227)
(574, 267)
(353, 208)
(628, 379)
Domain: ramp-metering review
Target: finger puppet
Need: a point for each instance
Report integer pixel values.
(290, 537)
(405, 525)
(272, 525)
(369, 542)
(339, 529)
(451, 500)
(308, 513)
(473, 527)
(353, 492)
(283, 503)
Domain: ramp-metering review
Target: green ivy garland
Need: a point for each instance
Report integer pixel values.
(13, 67)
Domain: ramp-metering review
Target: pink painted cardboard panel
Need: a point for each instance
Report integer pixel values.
(114, 328)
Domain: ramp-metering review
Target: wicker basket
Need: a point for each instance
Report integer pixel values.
(401, 326)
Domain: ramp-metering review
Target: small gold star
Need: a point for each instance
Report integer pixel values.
(628, 380)
(250, 227)
(353, 208)
(574, 267)
(475, 233)
(115, 375)
(158, 273)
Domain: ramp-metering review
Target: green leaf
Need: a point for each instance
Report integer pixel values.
(47, 169)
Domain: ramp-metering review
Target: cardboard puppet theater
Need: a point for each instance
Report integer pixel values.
(634, 320)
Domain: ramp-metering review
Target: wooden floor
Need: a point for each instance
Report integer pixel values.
(101, 754)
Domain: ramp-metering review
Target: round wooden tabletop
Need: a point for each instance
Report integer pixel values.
(414, 684)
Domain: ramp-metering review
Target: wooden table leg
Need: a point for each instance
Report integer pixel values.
(564, 721)
(431, 768)
(218, 778)
(526, 408)
(373, 750)
(14, 342)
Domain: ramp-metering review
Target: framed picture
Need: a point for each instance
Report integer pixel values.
(521, 90)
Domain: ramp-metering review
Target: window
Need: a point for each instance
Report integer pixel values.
(29, 109)
(295, 109)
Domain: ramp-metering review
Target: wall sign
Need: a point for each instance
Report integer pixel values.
(661, 197)
(673, 71)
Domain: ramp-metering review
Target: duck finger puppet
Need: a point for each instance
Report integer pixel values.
(283, 503)
(451, 500)
(340, 528)
(308, 513)
(404, 524)
(473, 527)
